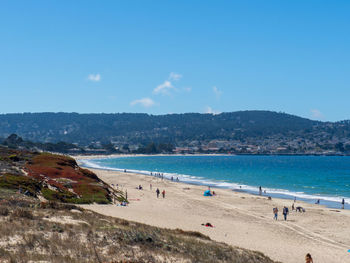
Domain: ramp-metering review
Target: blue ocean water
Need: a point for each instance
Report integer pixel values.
(305, 177)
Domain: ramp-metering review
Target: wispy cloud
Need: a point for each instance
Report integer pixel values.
(175, 76)
(211, 111)
(316, 114)
(94, 77)
(187, 89)
(164, 88)
(217, 92)
(167, 86)
(145, 102)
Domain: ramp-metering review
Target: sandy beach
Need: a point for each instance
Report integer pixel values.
(239, 219)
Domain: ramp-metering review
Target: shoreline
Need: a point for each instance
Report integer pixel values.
(239, 219)
(274, 193)
(115, 155)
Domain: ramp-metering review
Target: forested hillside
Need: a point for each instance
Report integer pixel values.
(84, 128)
(253, 127)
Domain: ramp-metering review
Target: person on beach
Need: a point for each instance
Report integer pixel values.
(293, 207)
(285, 212)
(343, 203)
(308, 258)
(158, 192)
(260, 190)
(163, 193)
(275, 212)
(300, 209)
(150, 187)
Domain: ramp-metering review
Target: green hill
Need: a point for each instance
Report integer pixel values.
(272, 129)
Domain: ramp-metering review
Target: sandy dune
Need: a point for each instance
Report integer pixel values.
(239, 219)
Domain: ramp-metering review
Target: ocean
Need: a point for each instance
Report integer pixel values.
(306, 178)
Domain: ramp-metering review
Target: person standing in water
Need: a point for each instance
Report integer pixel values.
(343, 203)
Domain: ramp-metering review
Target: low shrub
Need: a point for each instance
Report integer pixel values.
(4, 211)
(22, 213)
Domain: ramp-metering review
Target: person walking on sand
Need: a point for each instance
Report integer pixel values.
(163, 193)
(158, 192)
(343, 203)
(308, 258)
(285, 212)
(275, 213)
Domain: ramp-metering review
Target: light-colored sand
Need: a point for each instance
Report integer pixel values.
(240, 219)
(65, 220)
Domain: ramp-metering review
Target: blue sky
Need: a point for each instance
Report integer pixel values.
(164, 56)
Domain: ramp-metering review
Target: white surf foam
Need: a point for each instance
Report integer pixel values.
(190, 179)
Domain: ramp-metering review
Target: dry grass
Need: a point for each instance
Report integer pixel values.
(26, 234)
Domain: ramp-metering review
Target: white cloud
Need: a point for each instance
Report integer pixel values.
(94, 77)
(175, 76)
(211, 111)
(217, 92)
(164, 88)
(145, 102)
(316, 114)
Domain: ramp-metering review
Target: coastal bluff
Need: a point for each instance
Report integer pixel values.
(40, 220)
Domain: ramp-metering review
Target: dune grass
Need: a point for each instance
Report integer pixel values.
(56, 232)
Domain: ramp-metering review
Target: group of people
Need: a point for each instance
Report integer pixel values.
(150, 187)
(161, 176)
(285, 212)
(158, 192)
(297, 209)
(158, 175)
